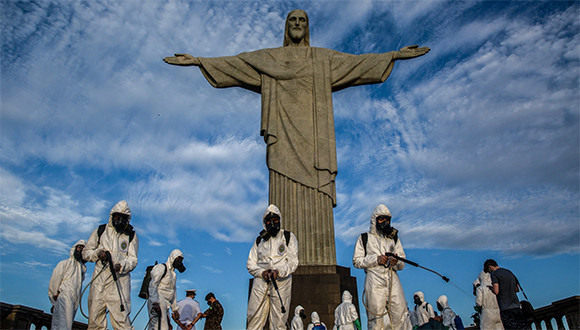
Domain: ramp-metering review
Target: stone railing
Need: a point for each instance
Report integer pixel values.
(568, 308)
(23, 317)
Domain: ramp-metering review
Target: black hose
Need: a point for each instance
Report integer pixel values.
(277, 291)
(112, 268)
(390, 254)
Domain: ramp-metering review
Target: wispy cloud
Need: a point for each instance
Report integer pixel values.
(212, 269)
(475, 153)
(481, 130)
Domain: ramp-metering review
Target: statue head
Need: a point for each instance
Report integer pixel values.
(297, 29)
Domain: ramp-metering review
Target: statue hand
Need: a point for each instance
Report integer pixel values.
(408, 52)
(182, 59)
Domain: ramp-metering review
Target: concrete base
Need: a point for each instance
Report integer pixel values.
(319, 288)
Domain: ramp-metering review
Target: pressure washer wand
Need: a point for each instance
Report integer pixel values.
(277, 291)
(112, 268)
(389, 254)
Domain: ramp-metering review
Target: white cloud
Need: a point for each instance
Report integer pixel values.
(471, 156)
(39, 214)
(213, 270)
(491, 113)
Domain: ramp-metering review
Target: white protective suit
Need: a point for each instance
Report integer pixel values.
(314, 321)
(484, 297)
(66, 282)
(162, 290)
(103, 294)
(382, 285)
(447, 314)
(345, 314)
(423, 312)
(297, 323)
(273, 254)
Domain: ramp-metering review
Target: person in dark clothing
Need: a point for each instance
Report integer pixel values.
(214, 314)
(505, 287)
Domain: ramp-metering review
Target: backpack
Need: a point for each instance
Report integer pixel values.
(130, 232)
(458, 323)
(319, 326)
(365, 238)
(286, 236)
(144, 292)
(525, 305)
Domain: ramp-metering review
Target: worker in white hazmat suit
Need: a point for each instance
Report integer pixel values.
(65, 286)
(385, 301)
(274, 255)
(486, 301)
(315, 323)
(345, 315)
(447, 315)
(118, 240)
(423, 311)
(299, 315)
(162, 290)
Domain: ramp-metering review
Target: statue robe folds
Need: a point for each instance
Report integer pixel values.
(296, 84)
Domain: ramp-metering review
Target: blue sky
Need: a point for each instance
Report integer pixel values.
(474, 147)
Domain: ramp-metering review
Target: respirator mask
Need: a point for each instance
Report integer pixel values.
(178, 264)
(120, 222)
(78, 255)
(272, 226)
(384, 227)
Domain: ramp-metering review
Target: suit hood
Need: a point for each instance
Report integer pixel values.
(271, 209)
(73, 248)
(443, 301)
(314, 317)
(379, 210)
(297, 310)
(484, 279)
(420, 295)
(172, 256)
(346, 296)
(120, 207)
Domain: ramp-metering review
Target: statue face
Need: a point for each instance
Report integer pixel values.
(297, 25)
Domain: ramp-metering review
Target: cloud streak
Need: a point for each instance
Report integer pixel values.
(471, 137)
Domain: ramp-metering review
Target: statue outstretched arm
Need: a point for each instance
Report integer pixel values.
(182, 59)
(409, 52)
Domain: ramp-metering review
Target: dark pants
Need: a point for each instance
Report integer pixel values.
(513, 319)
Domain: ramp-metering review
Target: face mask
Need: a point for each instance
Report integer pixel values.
(178, 264)
(79, 256)
(273, 228)
(302, 315)
(384, 227)
(417, 301)
(120, 222)
(209, 303)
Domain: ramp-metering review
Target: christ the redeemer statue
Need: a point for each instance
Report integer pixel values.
(296, 83)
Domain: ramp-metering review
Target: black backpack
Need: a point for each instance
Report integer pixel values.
(129, 232)
(525, 305)
(144, 292)
(365, 237)
(286, 236)
(457, 321)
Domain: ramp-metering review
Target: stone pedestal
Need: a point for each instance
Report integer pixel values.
(319, 288)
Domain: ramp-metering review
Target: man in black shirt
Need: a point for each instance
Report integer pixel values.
(505, 286)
